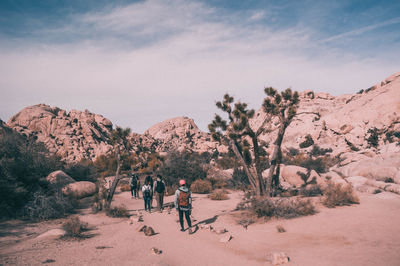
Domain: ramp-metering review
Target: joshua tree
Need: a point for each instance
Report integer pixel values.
(120, 141)
(244, 140)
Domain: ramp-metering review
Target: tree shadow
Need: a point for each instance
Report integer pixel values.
(208, 221)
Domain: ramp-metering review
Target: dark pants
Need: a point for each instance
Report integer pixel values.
(187, 216)
(147, 203)
(133, 191)
(160, 200)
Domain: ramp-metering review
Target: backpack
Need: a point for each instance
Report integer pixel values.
(160, 187)
(183, 199)
(146, 193)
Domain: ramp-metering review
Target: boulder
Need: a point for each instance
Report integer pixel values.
(278, 258)
(54, 234)
(80, 189)
(289, 175)
(148, 231)
(59, 179)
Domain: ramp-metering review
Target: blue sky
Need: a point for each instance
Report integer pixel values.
(141, 62)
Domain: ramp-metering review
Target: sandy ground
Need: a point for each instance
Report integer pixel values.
(364, 234)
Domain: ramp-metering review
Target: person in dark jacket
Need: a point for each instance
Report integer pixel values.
(133, 183)
(147, 195)
(183, 203)
(159, 190)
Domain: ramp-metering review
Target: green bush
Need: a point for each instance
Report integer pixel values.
(201, 186)
(45, 206)
(81, 171)
(311, 191)
(24, 164)
(239, 180)
(183, 165)
(338, 195)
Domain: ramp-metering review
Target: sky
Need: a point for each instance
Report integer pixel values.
(138, 63)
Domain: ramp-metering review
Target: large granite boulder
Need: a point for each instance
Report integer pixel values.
(59, 179)
(80, 189)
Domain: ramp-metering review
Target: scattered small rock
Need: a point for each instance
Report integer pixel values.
(48, 261)
(277, 258)
(226, 239)
(148, 231)
(206, 227)
(141, 228)
(220, 231)
(135, 219)
(156, 251)
(102, 247)
(280, 229)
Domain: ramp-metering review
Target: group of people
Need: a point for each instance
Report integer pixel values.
(182, 199)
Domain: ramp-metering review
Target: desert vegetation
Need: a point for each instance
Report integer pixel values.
(339, 195)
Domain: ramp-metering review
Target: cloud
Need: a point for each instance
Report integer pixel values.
(362, 30)
(149, 61)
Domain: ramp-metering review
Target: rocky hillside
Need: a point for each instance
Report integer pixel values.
(343, 124)
(73, 136)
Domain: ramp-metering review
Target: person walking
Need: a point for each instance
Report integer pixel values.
(147, 196)
(138, 187)
(159, 190)
(133, 183)
(183, 203)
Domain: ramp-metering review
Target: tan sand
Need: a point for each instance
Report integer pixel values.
(364, 234)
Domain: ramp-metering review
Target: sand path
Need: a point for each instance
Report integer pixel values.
(365, 234)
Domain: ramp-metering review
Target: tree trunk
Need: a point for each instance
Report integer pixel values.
(250, 176)
(114, 184)
(259, 181)
(275, 160)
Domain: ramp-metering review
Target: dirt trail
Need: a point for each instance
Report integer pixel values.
(364, 234)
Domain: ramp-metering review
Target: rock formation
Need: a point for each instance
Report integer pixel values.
(73, 136)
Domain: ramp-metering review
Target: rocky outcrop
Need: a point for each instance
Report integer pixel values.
(180, 133)
(73, 136)
(80, 189)
(59, 179)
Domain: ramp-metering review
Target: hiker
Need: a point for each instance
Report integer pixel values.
(159, 190)
(133, 182)
(150, 179)
(183, 203)
(147, 195)
(138, 187)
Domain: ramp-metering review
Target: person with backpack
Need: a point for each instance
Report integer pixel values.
(138, 187)
(133, 183)
(183, 203)
(159, 190)
(147, 195)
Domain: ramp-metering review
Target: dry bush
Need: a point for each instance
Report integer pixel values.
(338, 195)
(201, 186)
(311, 191)
(282, 207)
(125, 187)
(219, 194)
(74, 227)
(118, 211)
(170, 190)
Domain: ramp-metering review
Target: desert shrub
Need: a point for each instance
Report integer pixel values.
(170, 190)
(319, 164)
(239, 180)
(118, 211)
(307, 142)
(311, 191)
(282, 207)
(338, 195)
(24, 164)
(292, 152)
(388, 180)
(318, 151)
(373, 137)
(227, 162)
(45, 206)
(81, 171)
(183, 165)
(74, 227)
(201, 186)
(219, 194)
